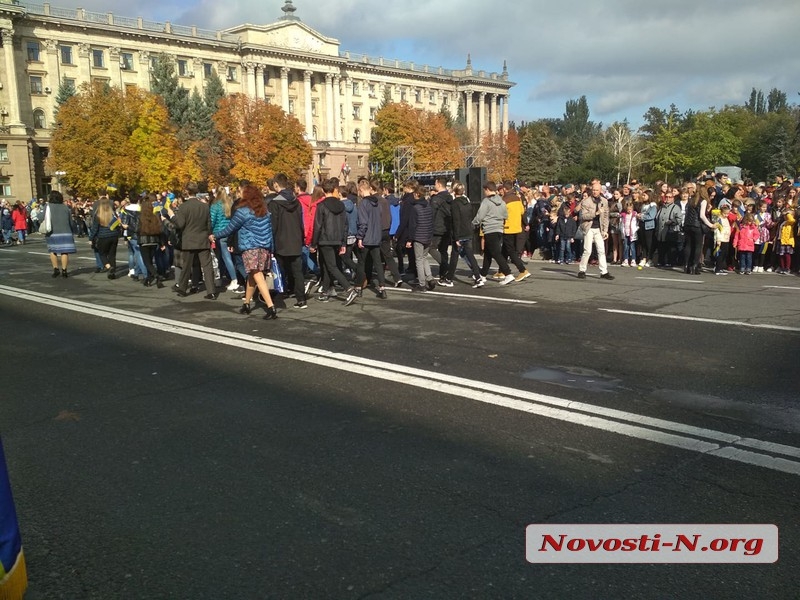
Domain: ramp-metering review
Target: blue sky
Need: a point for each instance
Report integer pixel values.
(624, 55)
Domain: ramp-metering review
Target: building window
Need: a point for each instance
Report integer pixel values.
(357, 111)
(33, 51)
(3, 152)
(38, 119)
(266, 76)
(360, 161)
(372, 112)
(356, 89)
(98, 59)
(268, 99)
(231, 75)
(153, 62)
(69, 83)
(183, 68)
(314, 131)
(341, 111)
(432, 97)
(371, 90)
(357, 135)
(66, 55)
(36, 85)
(291, 106)
(445, 101)
(5, 186)
(126, 61)
(418, 96)
(403, 96)
(208, 69)
(313, 108)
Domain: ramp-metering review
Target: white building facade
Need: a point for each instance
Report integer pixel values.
(334, 94)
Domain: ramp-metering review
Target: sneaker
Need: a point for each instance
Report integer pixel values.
(720, 272)
(642, 263)
(581, 274)
(445, 283)
(131, 272)
(382, 294)
(307, 287)
(523, 275)
(624, 264)
(352, 294)
(419, 289)
(607, 276)
(767, 270)
(233, 286)
(649, 263)
(301, 305)
(498, 276)
(479, 283)
(730, 269)
(507, 279)
(323, 298)
(431, 285)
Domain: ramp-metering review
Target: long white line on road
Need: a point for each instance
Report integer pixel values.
(48, 254)
(660, 431)
(781, 287)
(701, 320)
(465, 296)
(674, 280)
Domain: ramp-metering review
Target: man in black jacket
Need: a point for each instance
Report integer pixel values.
(328, 238)
(441, 203)
(463, 232)
(287, 233)
(193, 219)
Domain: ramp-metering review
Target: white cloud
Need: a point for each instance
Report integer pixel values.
(625, 55)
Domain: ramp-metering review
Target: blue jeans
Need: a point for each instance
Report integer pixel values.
(163, 260)
(309, 266)
(222, 244)
(628, 249)
(745, 261)
(564, 250)
(135, 260)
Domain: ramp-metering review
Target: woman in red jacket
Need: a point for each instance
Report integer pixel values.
(20, 218)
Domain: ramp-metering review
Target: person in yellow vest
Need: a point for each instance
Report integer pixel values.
(13, 576)
(513, 238)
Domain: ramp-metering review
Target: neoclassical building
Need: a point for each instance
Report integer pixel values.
(333, 93)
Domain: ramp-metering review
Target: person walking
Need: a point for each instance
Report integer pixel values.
(463, 231)
(104, 236)
(150, 238)
(288, 236)
(60, 233)
(193, 220)
(370, 234)
(491, 218)
(594, 215)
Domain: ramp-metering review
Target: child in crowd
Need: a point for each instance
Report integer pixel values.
(744, 241)
(629, 228)
(722, 238)
(763, 221)
(565, 229)
(785, 243)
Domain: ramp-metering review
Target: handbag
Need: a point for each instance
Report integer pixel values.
(277, 276)
(46, 225)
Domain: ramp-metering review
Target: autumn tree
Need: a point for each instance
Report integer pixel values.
(154, 142)
(259, 140)
(500, 155)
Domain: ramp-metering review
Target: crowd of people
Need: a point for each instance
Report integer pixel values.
(280, 240)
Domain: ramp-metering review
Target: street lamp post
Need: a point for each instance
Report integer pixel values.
(59, 175)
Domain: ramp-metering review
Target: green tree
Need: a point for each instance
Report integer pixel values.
(756, 103)
(66, 90)
(539, 155)
(387, 97)
(776, 101)
(665, 148)
(164, 82)
(710, 142)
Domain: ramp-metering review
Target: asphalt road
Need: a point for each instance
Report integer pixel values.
(170, 448)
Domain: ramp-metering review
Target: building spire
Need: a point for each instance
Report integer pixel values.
(288, 12)
(469, 61)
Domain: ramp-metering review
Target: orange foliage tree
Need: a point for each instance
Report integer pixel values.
(259, 139)
(500, 155)
(435, 145)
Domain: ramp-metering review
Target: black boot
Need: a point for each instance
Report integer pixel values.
(148, 281)
(56, 273)
(64, 273)
(272, 313)
(159, 282)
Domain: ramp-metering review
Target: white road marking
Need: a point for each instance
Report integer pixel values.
(701, 320)
(660, 431)
(781, 287)
(73, 258)
(675, 280)
(464, 296)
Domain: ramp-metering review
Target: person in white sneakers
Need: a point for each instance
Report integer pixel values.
(491, 217)
(594, 224)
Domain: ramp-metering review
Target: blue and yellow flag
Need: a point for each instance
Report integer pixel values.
(13, 576)
(111, 187)
(115, 222)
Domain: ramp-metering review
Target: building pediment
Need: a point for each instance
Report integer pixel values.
(290, 35)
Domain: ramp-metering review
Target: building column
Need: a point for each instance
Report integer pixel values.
(51, 64)
(307, 102)
(348, 109)
(505, 114)
(285, 89)
(329, 106)
(481, 115)
(248, 79)
(337, 117)
(468, 108)
(494, 114)
(259, 79)
(10, 78)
